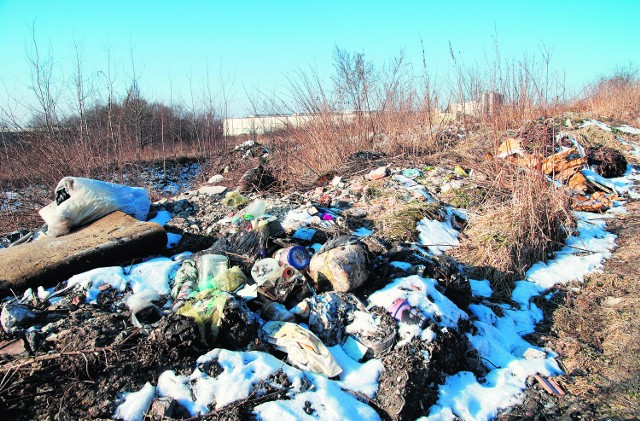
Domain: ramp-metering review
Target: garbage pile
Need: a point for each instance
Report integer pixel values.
(300, 305)
(290, 276)
(585, 172)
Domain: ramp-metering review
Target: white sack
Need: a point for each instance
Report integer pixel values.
(90, 200)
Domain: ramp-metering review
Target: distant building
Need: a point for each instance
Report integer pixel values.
(259, 124)
(489, 103)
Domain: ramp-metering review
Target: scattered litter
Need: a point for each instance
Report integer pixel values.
(379, 173)
(16, 317)
(215, 179)
(304, 234)
(413, 335)
(550, 385)
(234, 199)
(295, 256)
(212, 190)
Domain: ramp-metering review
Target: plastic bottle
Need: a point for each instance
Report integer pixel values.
(210, 266)
(255, 210)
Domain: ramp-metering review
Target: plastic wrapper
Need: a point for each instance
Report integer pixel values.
(80, 201)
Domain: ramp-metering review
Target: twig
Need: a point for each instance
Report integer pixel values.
(82, 352)
(238, 404)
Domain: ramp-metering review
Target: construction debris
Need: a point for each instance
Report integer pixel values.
(112, 239)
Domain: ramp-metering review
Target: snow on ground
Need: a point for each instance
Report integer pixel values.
(628, 129)
(421, 293)
(438, 236)
(153, 275)
(135, 404)
(499, 339)
(623, 129)
(242, 372)
(627, 183)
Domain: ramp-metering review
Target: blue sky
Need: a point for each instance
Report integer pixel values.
(256, 45)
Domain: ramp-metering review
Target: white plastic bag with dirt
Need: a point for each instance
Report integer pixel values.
(304, 349)
(80, 201)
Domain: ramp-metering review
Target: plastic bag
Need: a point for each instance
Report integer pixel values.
(206, 310)
(143, 307)
(229, 279)
(304, 349)
(234, 199)
(80, 201)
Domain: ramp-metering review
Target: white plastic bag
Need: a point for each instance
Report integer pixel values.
(88, 200)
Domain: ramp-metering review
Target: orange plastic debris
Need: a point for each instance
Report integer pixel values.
(550, 385)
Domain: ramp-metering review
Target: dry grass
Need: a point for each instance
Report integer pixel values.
(398, 222)
(510, 233)
(594, 329)
(598, 339)
(615, 97)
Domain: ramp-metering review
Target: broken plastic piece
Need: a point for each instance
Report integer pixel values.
(403, 312)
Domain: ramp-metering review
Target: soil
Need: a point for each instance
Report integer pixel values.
(597, 336)
(88, 358)
(412, 373)
(607, 162)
